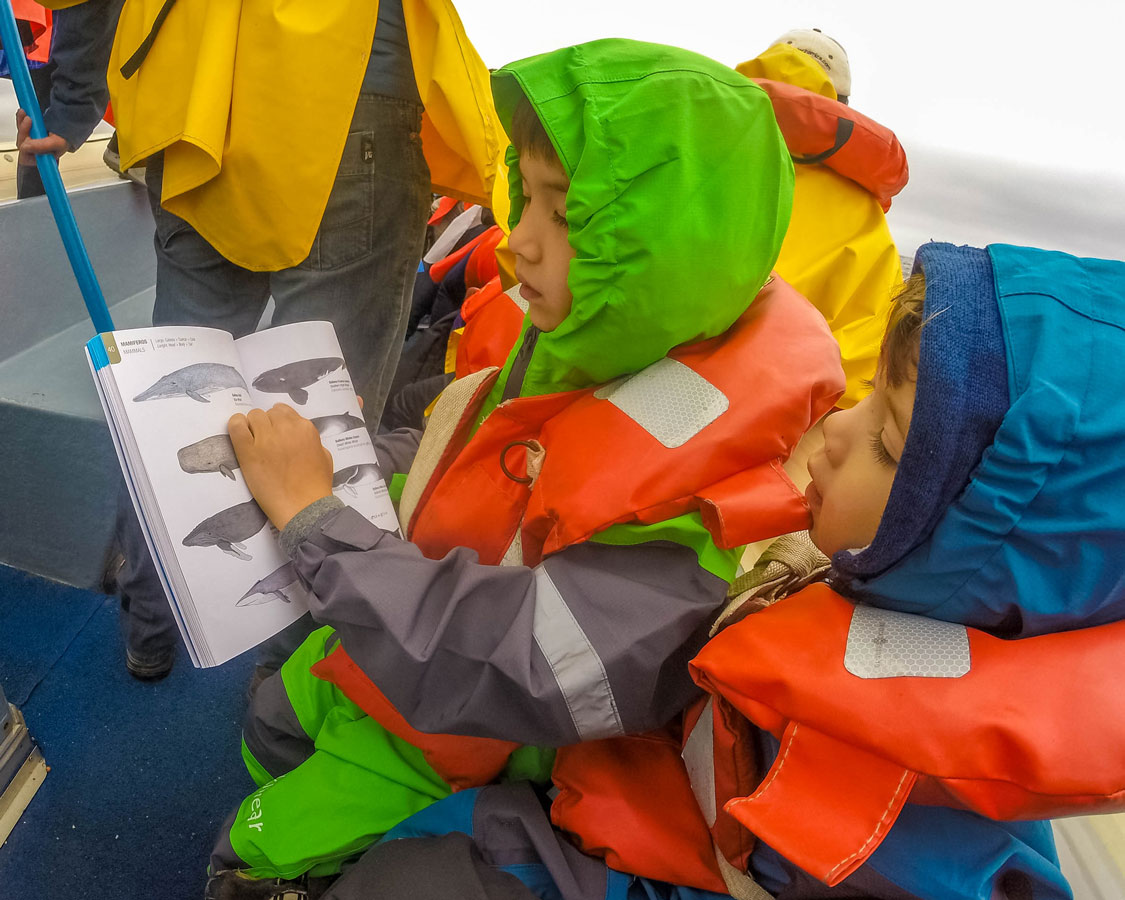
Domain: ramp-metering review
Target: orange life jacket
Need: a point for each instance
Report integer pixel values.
(818, 129)
(493, 319)
(482, 265)
(874, 708)
(39, 24)
(592, 464)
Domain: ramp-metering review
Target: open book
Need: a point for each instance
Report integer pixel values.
(168, 393)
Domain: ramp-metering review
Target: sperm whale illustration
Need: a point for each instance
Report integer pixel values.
(328, 426)
(212, 454)
(294, 377)
(195, 381)
(228, 529)
(346, 477)
(271, 588)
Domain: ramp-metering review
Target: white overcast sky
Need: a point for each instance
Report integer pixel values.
(1009, 112)
(999, 78)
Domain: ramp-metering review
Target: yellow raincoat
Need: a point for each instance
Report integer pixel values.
(251, 102)
(838, 251)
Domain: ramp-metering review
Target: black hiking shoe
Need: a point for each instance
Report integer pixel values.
(231, 884)
(149, 666)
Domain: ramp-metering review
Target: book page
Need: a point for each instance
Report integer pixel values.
(301, 365)
(178, 386)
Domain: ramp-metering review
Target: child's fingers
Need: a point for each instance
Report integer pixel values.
(239, 429)
(259, 422)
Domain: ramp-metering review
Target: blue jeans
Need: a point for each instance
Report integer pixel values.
(359, 275)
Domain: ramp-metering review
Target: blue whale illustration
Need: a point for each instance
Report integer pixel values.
(195, 381)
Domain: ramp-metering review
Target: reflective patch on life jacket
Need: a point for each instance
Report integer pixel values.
(517, 298)
(669, 400)
(883, 643)
(577, 668)
(699, 760)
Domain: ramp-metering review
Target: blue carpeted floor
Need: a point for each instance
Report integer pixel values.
(141, 774)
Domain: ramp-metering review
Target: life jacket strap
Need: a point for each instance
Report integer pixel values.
(844, 128)
(133, 63)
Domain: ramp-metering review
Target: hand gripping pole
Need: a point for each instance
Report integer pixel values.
(49, 171)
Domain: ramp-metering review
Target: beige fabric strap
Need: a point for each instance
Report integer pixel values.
(450, 410)
(788, 564)
(739, 884)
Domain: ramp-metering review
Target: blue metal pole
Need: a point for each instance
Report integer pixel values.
(49, 171)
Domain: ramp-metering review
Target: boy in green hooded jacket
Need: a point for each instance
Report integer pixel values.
(650, 190)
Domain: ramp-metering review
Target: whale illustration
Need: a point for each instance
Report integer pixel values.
(270, 588)
(294, 377)
(228, 529)
(195, 381)
(338, 424)
(212, 454)
(345, 478)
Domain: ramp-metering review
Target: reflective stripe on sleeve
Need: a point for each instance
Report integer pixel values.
(575, 663)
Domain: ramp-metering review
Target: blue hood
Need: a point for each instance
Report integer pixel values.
(1036, 541)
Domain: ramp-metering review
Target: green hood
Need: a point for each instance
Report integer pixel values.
(680, 193)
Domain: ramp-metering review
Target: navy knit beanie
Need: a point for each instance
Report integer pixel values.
(962, 394)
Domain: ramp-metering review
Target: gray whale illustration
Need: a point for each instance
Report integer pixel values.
(212, 454)
(338, 424)
(345, 478)
(195, 381)
(228, 529)
(294, 377)
(270, 588)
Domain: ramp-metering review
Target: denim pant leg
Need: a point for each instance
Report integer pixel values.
(359, 274)
(195, 285)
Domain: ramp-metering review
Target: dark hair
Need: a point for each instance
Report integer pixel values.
(898, 357)
(529, 137)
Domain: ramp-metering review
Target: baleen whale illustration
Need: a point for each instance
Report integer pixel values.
(212, 454)
(294, 377)
(345, 478)
(338, 424)
(228, 529)
(271, 588)
(195, 381)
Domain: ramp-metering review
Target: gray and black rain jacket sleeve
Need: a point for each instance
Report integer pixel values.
(80, 49)
(593, 642)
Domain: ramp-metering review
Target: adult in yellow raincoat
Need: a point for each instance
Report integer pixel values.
(291, 151)
(838, 251)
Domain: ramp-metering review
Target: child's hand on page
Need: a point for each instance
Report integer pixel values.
(284, 464)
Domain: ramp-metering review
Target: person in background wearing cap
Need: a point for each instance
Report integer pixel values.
(838, 251)
(827, 51)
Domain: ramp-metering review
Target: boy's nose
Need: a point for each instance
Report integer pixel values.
(521, 243)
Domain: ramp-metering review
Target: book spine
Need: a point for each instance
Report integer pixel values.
(96, 349)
